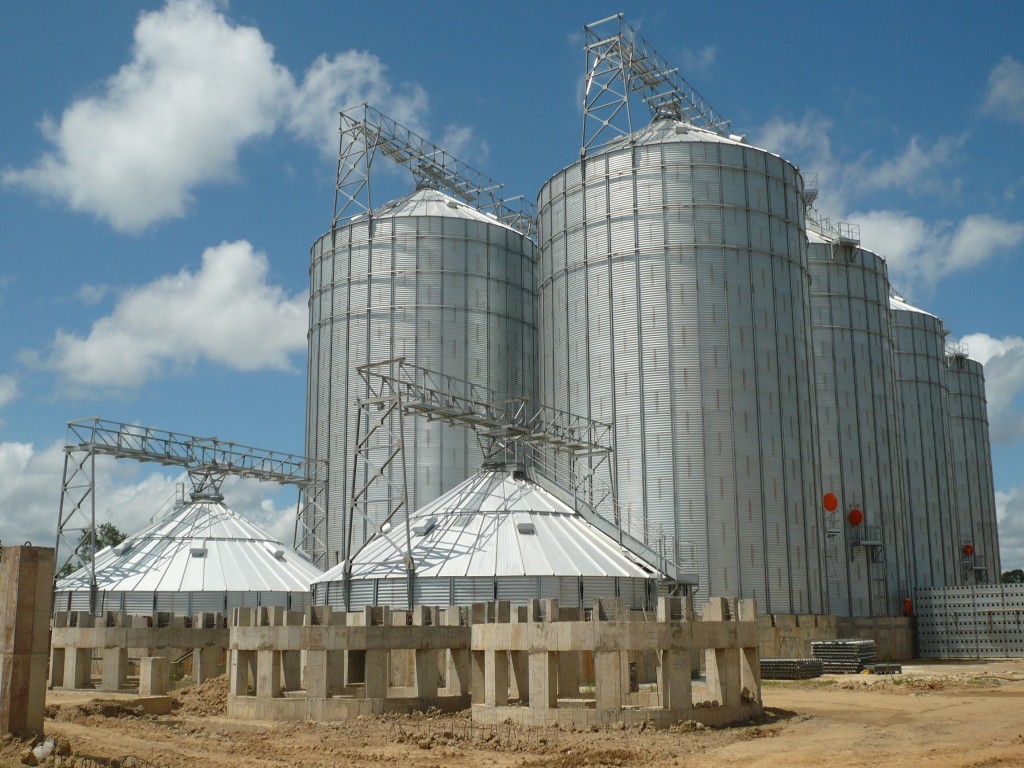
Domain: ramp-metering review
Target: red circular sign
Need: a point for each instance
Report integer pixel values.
(830, 502)
(856, 517)
(968, 550)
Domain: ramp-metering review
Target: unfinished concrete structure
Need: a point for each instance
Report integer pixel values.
(25, 574)
(536, 664)
(323, 664)
(118, 641)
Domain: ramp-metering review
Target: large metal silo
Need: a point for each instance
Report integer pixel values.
(924, 396)
(673, 302)
(858, 425)
(435, 281)
(972, 469)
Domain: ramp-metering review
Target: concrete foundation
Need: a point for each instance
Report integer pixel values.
(26, 576)
(790, 636)
(119, 641)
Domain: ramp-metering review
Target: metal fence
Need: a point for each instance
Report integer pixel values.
(970, 622)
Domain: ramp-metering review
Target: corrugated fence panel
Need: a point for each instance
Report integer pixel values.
(970, 622)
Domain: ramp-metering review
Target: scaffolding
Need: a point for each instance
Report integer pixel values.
(207, 457)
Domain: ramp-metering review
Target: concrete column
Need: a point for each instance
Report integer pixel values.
(291, 670)
(78, 668)
(608, 679)
(205, 663)
(115, 669)
(722, 667)
(153, 676)
(496, 678)
(268, 674)
(519, 682)
(56, 667)
(543, 680)
(375, 674)
(674, 687)
(568, 674)
(426, 674)
(26, 579)
(456, 678)
(477, 675)
(317, 679)
(335, 672)
(243, 672)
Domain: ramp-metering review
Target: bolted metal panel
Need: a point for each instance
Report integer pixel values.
(684, 294)
(858, 422)
(934, 535)
(972, 468)
(970, 622)
(431, 280)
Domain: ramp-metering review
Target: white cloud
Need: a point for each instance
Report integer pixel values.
(462, 143)
(346, 80)
(1004, 382)
(197, 88)
(1010, 516)
(128, 494)
(8, 389)
(226, 312)
(921, 253)
(699, 62)
(912, 169)
(93, 294)
(1005, 95)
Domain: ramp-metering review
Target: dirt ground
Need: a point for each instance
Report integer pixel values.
(945, 714)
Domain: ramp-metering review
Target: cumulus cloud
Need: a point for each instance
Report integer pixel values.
(346, 80)
(1010, 515)
(700, 61)
(197, 89)
(1005, 95)
(128, 494)
(174, 117)
(226, 312)
(920, 252)
(8, 389)
(1004, 382)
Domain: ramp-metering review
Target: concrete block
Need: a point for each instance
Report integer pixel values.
(543, 680)
(153, 676)
(115, 669)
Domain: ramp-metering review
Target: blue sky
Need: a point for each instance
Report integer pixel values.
(164, 169)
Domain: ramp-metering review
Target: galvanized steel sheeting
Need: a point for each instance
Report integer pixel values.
(435, 281)
(858, 425)
(672, 298)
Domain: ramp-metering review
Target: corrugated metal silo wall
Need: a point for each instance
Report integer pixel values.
(858, 427)
(924, 396)
(673, 301)
(972, 461)
(452, 295)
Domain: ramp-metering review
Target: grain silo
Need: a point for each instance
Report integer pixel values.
(673, 302)
(428, 278)
(201, 557)
(862, 467)
(934, 539)
(972, 468)
(496, 536)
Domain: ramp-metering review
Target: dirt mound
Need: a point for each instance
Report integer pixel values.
(209, 698)
(78, 713)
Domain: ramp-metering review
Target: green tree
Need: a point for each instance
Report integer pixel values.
(107, 535)
(1016, 576)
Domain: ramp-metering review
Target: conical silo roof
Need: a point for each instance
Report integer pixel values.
(201, 547)
(496, 524)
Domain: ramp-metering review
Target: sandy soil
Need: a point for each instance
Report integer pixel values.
(948, 714)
